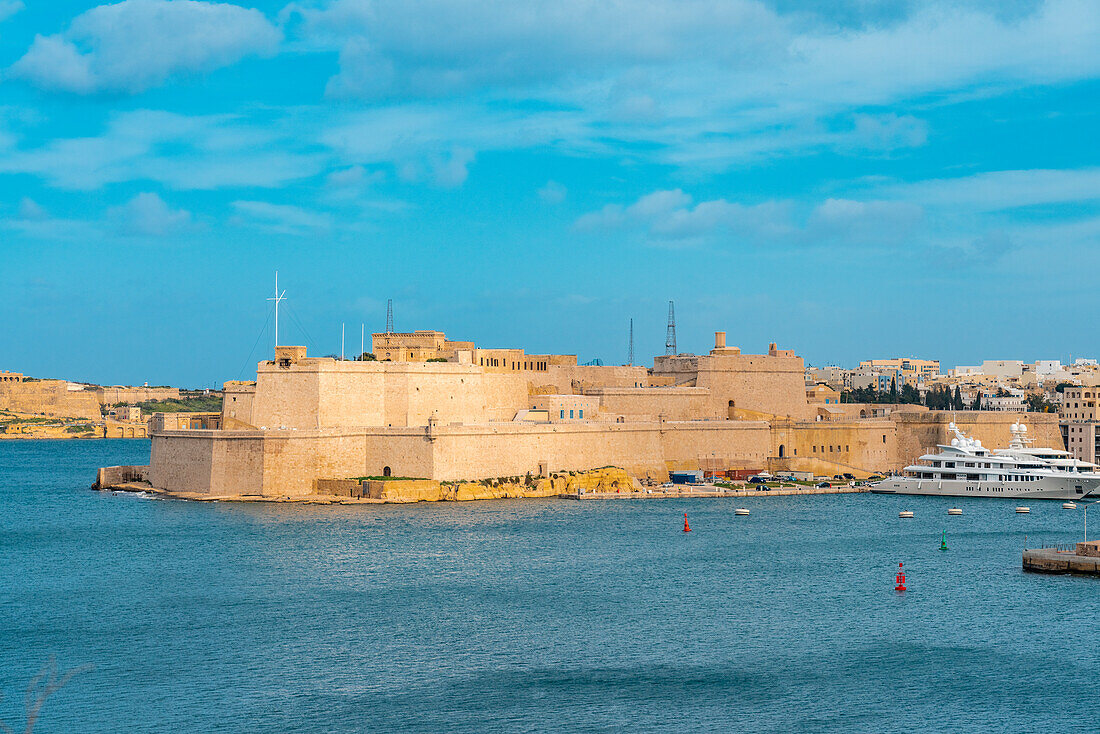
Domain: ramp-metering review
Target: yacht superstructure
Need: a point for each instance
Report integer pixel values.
(968, 469)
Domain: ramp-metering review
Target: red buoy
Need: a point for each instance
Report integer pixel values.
(900, 580)
(687, 528)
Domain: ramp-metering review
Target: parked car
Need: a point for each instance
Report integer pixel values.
(758, 480)
(875, 478)
(849, 477)
(823, 485)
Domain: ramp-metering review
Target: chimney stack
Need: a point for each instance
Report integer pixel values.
(719, 340)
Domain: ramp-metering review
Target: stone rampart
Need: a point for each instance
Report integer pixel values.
(129, 395)
(49, 397)
(921, 433)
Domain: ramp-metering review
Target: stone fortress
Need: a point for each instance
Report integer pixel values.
(45, 408)
(431, 408)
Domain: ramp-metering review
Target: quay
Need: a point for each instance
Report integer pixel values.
(1083, 559)
(683, 490)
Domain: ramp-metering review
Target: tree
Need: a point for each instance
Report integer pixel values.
(893, 390)
(957, 403)
(977, 402)
(1038, 403)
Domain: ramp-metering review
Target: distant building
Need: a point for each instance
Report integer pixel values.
(6, 376)
(914, 370)
(125, 413)
(822, 394)
(1003, 403)
(424, 346)
(1078, 413)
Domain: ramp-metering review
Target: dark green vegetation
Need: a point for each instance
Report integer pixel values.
(207, 404)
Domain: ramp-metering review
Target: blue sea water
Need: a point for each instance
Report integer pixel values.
(532, 615)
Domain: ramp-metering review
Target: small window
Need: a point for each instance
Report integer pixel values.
(563, 415)
(580, 413)
(570, 414)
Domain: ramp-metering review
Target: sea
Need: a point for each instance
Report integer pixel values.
(531, 615)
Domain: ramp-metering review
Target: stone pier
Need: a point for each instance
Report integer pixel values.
(1084, 559)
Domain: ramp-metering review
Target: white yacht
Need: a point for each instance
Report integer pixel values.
(968, 469)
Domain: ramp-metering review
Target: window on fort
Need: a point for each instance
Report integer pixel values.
(580, 414)
(570, 414)
(386, 471)
(562, 416)
(884, 438)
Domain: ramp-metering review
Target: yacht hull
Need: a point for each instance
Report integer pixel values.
(1044, 489)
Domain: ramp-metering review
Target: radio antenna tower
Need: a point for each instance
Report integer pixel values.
(389, 316)
(278, 297)
(630, 354)
(670, 335)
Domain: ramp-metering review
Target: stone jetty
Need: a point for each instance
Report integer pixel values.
(1083, 559)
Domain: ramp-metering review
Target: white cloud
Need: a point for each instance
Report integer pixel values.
(700, 84)
(673, 218)
(391, 47)
(282, 218)
(8, 8)
(135, 45)
(29, 209)
(996, 190)
(553, 192)
(148, 215)
(178, 151)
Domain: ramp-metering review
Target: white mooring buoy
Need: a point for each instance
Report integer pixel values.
(1022, 510)
(954, 511)
(905, 513)
(1069, 505)
(741, 511)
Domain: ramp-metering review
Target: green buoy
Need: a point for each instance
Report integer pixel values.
(943, 541)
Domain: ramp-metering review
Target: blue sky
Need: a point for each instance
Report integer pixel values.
(877, 179)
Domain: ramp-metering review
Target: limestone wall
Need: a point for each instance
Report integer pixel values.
(237, 398)
(860, 447)
(113, 395)
(325, 393)
(574, 378)
(288, 462)
(761, 383)
(49, 397)
(921, 433)
(674, 403)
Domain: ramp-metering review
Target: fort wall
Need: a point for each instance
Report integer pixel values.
(674, 403)
(326, 393)
(50, 398)
(120, 394)
(921, 433)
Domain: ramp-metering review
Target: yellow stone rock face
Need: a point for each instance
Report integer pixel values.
(608, 479)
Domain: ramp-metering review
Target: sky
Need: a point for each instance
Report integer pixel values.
(872, 179)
